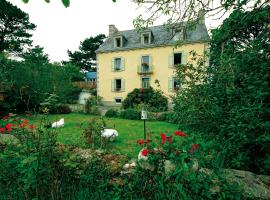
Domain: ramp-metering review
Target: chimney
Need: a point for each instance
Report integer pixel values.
(112, 29)
(201, 16)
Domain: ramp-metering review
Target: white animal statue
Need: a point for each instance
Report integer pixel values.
(110, 134)
(58, 124)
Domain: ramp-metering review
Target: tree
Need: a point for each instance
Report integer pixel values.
(14, 28)
(231, 104)
(36, 55)
(85, 58)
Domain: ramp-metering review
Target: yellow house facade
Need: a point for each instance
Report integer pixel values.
(130, 59)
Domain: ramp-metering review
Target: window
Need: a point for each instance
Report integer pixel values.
(179, 34)
(118, 100)
(146, 38)
(145, 64)
(117, 64)
(177, 58)
(118, 42)
(145, 82)
(176, 84)
(118, 84)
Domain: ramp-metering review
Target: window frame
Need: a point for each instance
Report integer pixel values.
(115, 41)
(149, 81)
(118, 98)
(149, 34)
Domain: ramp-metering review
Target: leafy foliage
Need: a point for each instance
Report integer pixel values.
(14, 28)
(152, 100)
(91, 105)
(85, 58)
(229, 99)
(112, 113)
(130, 114)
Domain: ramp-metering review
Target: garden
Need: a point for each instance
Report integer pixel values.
(213, 144)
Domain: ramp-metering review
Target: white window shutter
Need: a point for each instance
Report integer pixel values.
(170, 84)
(122, 85)
(122, 63)
(184, 58)
(113, 85)
(150, 61)
(170, 60)
(112, 66)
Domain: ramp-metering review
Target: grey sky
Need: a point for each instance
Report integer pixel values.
(60, 28)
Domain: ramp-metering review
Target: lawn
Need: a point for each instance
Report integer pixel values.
(129, 131)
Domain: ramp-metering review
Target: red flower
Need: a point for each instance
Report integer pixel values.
(22, 125)
(8, 127)
(32, 126)
(163, 138)
(2, 130)
(194, 147)
(144, 152)
(180, 133)
(140, 142)
(5, 117)
(25, 121)
(27, 114)
(169, 139)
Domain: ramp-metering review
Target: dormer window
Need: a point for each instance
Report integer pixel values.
(179, 34)
(118, 41)
(146, 38)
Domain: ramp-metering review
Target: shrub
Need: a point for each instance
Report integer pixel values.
(64, 109)
(130, 114)
(112, 113)
(151, 99)
(91, 105)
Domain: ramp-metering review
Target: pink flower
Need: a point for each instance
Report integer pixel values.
(144, 152)
(27, 115)
(5, 117)
(180, 133)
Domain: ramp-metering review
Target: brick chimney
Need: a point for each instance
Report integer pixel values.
(112, 30)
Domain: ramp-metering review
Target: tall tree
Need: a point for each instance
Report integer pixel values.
(36, 55)
(14, 28)
(85, 57)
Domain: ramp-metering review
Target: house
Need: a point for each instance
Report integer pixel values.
(91, 77)
(131, 59)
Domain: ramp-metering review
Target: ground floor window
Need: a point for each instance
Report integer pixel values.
(118, 100)
(118, 85)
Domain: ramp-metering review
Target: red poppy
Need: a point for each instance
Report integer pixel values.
(8, 127)
(25, 121)
(140, 142)
(27, 114)
(169, 139)
(163, 138)
(6, 117)
(194, 147)
(32, 126)
(180, 133)
(144, 152)
(23, 125)
(2, 130)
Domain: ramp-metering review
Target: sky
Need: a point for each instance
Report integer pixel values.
(60, 29)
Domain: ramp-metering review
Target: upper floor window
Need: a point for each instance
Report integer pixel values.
(179, 34)
(118, 64)
(118, 41)
(145, 82)
(177, 58)
(146, 38)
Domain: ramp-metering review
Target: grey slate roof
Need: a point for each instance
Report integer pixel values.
(161, 37)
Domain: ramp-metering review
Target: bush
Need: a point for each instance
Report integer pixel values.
(151, 99)
(112, 113)
(91, 105)
(64, 109)
(130, 114)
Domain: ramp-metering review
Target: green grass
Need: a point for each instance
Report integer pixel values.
(129, 131)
